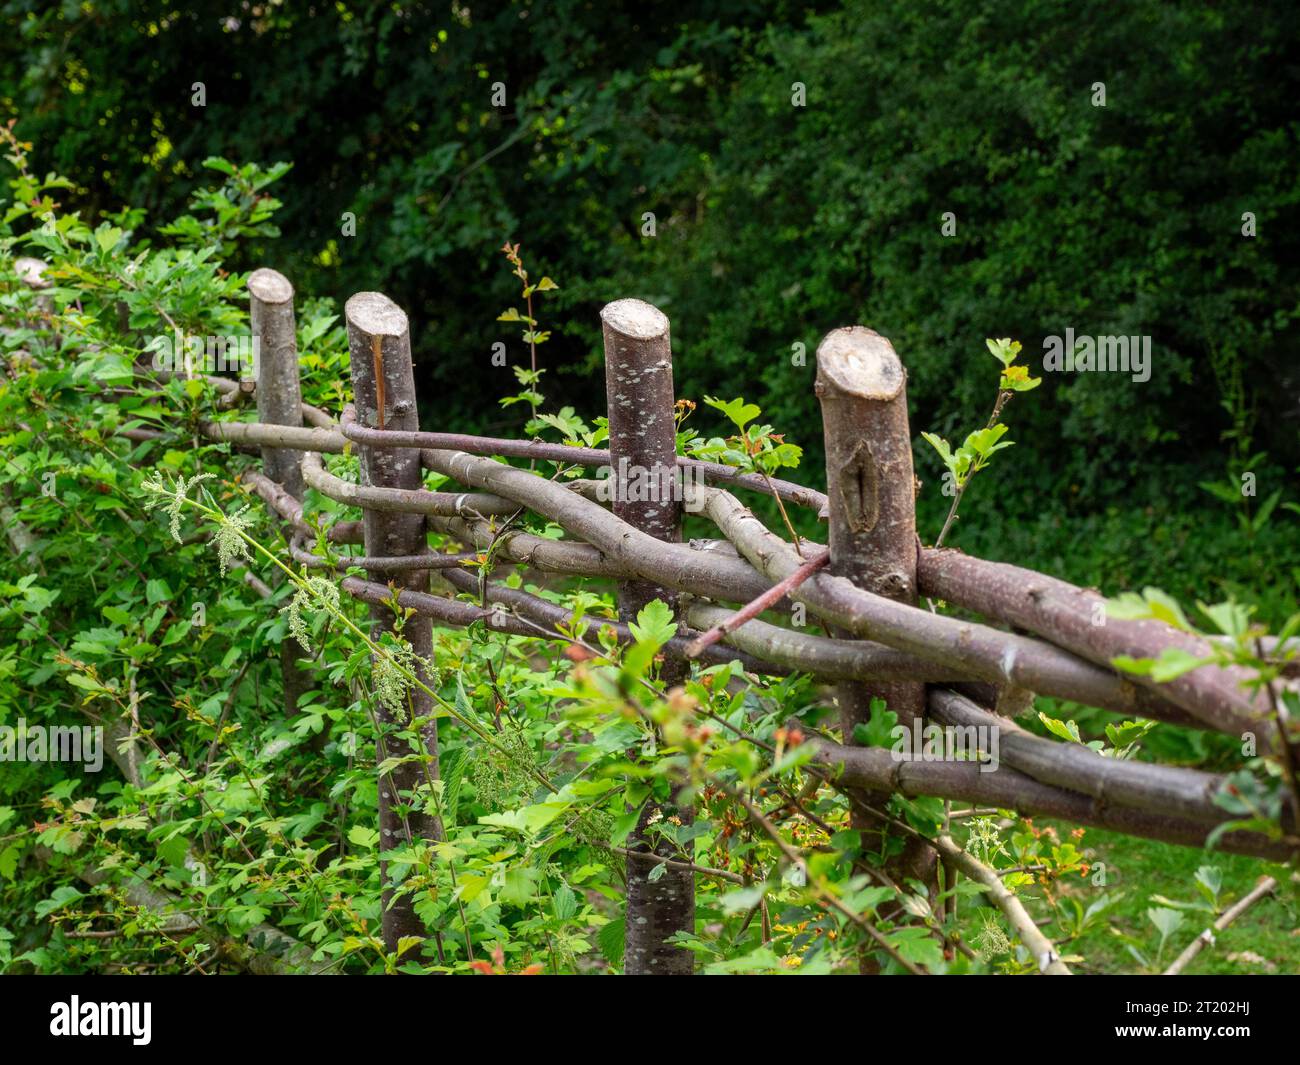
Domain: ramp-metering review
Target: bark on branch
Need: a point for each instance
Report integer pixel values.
(1008, 789)
(1076, 619)
(1182, 792)
(536, 450)
(979, 651)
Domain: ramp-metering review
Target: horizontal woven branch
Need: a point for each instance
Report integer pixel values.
(563, 453)
(876, 769)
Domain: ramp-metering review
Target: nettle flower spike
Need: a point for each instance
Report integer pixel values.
(388, 673)
(317, 590)
(231, 547)
(991, 940)
(176, 496)
(985, 835)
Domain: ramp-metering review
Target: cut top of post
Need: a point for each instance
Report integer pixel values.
(270, 286)
(860, 362)
(635, 319)
(375, 315)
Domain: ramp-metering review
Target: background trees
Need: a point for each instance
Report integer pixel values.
(771, 220)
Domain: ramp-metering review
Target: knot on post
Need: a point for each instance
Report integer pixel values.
(858, 489)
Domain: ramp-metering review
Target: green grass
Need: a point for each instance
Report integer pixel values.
(1140, 868)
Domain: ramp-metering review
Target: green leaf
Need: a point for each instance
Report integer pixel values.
(1140, 666)
(407, 942)
(1129, 606)
(742, 899)
(471, 887)
(917, 945)
(1017, 379)
(737, 411)
(985, 441)
(453, 776)
(213, 162)
(106, 237)
(878, 730)
(528, 819)
(1174, 662)
(1266, 509)
(564, 902)
(1126, 733)
(117, 615)
(943, 447)
(1167, 921)
(1165, 608)
(654, 625)
(1004, 350)
(623, 826)
(1229, 618)
(174, 851)
(1209, 881)
(1067, 730)
(1015, 881)
(520, 886)
(611, 939)
(61, 897)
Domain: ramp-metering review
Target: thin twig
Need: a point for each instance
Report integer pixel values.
(1266, 886)
(689, 867)
(755, 607)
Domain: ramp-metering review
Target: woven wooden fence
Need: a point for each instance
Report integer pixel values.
(869, 584)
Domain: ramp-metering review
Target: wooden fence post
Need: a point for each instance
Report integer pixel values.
(279, 402)
(643, 447)
(279, 395)
(871, 507)
(383, 388)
